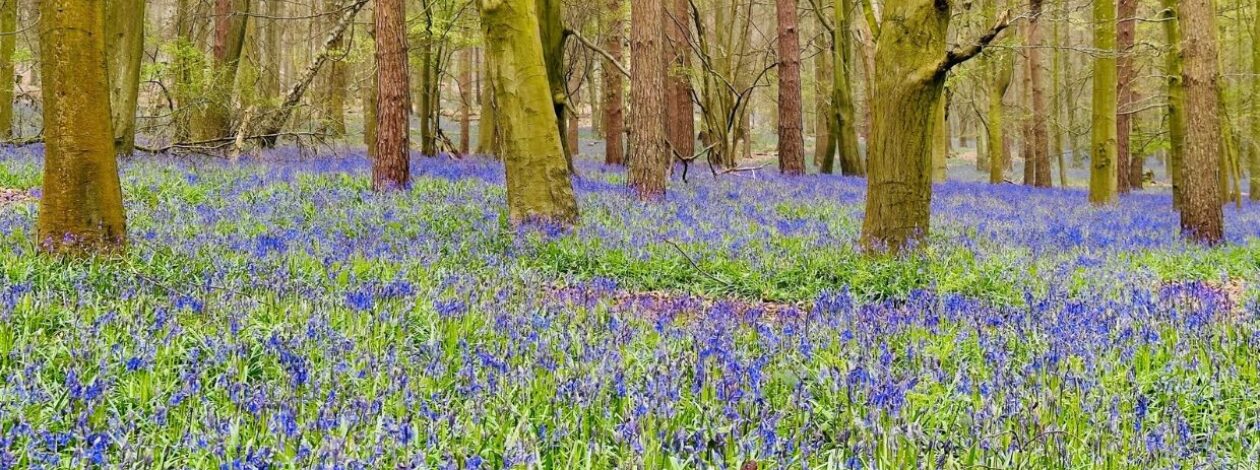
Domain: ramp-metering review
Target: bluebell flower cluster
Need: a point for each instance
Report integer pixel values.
(278, 314)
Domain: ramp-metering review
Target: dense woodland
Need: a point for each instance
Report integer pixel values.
(666, 86)
(656, 234)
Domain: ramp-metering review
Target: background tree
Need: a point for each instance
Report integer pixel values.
(124, 28)
(614, 89)
(8, 46)
(1201, 216)
(81, 207)
(649, 155)
(391, 165)
(791, 138)
(1102, 176)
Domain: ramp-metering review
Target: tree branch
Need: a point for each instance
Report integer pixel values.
(957, 56)
(590, 45)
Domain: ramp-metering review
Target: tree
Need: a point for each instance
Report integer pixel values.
(844, 121)
(1102, 175)
(614, 89)
(1176, 100)
(913, 62)
(125, 42)
(335, 82)
(81, 208)
(649, 156)
(1255, 109)
(791, 138)
(391, 165)
(1001, 69)
(213, 118)
(465, 100)
(680, 125)
(1126, 96)
(539, 188)
(1202, 218)
(1040, 144)
(8, 45)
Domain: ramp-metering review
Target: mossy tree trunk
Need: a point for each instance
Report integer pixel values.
(844, 121)
(791, 138)
(213, 118)
(824, 140)
(1176, 99)
(391, 164)
(614, 89)
(81, 208)
(465, 99)
(551, 31)
(1255, 109)
(1040, 113)
(1202, 218)
(912, 63)
(649, 154)
(335, 82)
(487, 130)
(1102, 174)
(8, 46)
(539, 187)
(124, 29)
(1000, 66)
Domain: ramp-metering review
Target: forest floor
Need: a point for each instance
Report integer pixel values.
(276, 312)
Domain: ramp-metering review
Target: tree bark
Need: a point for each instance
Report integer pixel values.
(1001, 69)
(1255, 111)
(391, 165)
(1102, 175)
(8, 46)
(335, 102)
(539, 188)
(824, 114)
(614, 90)
(912, 61)
(649, 154)
(124, 31)
(487, 131)
(1202, 218)
(81, 208)
(1126, 29)
(1040, 113)
(551, 32)
(844, 121)
(1176, 99)
(791, 138)
(680, 127)
(465, 100)
(213, 119)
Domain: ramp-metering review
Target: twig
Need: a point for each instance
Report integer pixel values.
(696, 265)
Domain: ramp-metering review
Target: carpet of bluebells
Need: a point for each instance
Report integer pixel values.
(275, 313)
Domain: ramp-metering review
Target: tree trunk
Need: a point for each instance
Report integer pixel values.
(1255, 111)
(1056, 102)
(791, 138)
(824, 83)
(1102, 175)
(649, 155)
(538, 179)
(81, 208)
(1201, 216)
(1127, 72)
(844, 121)
(912, 62)
(1001, 69)
(391, 166)
(551, 32)
(335, 102)
(465, 100)
(487, 135)
(124, 31)
(1040, 114)
(680, 127)
(1176, 100)
(214, 118)
(423, 103)
(8, 46)
(614, 90)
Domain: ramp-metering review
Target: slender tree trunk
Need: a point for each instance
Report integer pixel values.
(1125, 32)
(1255, 110)
(1201, 216)
(125, 42)
(8, 46)
(649, 155)
(335, 103)
(487, 136)
(424, 104)
(1029, 150)
(273, 56)
(551, 31)
(1001, 69)
(791, 138)
(391, 165)
(680, 115)
(1056, 101)
(824, 83)
(1102, 175)
(81, 208)
(214, 119)
(465, 100)
(844, 121)
(1040, 113)
(614, 90)
(538, 179)
(1176, 100)
(940, 140)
